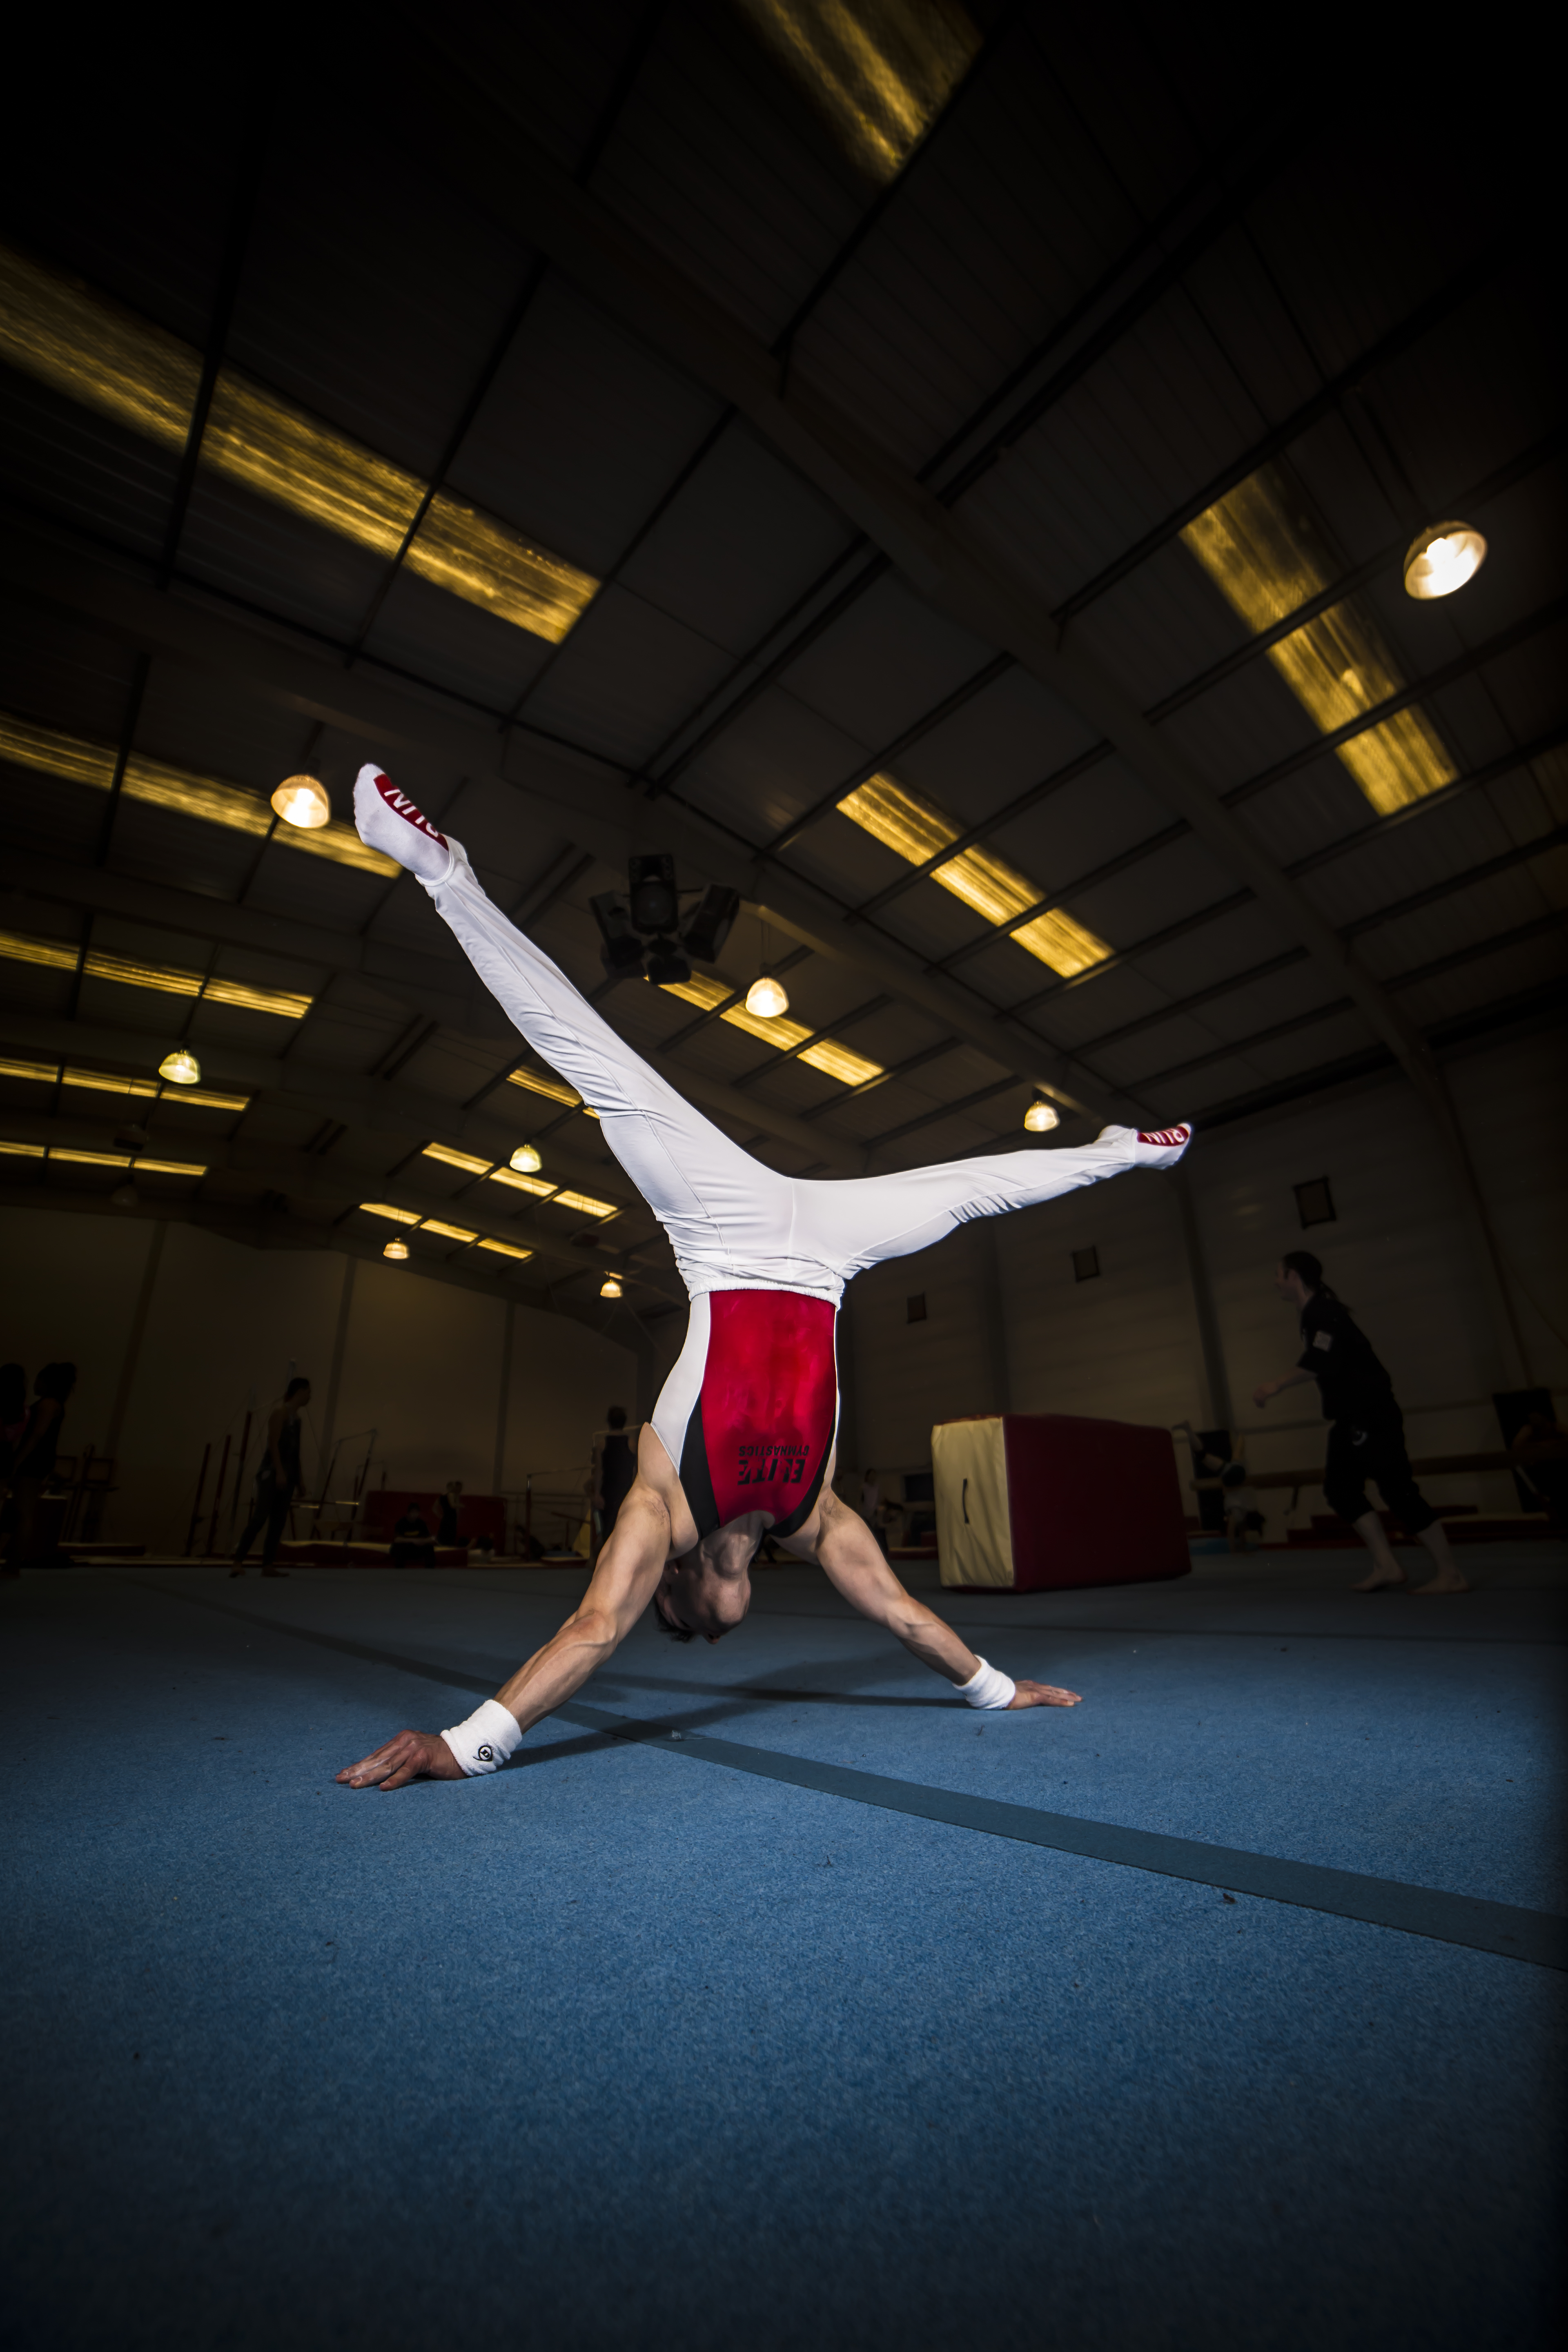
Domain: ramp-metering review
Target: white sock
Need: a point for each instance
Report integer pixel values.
(387, 820)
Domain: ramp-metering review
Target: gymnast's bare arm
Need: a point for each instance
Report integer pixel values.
(840, 1542)
(646, 1529)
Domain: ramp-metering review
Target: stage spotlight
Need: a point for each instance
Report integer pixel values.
(1441, 558)
(527, 1158)
(1041, 1116)
(302, 800)
(621, 952)
(396, 1248)
(651, 881)
(611, 1286)
(181, 1068)
(767, 998)
(708, 928)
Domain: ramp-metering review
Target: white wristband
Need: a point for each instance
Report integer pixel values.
(988, 1687)
(485, 1741)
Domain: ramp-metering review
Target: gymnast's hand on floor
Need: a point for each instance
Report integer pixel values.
(412, 1756)
(1041, 1694)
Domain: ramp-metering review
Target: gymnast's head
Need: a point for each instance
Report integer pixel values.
(707, 1592)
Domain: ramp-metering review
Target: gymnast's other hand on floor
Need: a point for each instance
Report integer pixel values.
(411, 1755)
(1029, 1694)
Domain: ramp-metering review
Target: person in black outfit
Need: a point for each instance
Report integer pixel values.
(615, 1469)
(33, 1458)
(277, 1478)
(1367, 1436)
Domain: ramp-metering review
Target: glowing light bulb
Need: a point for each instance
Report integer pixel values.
(1041, 1116)
(527, 1158)
(1441, 558)
(181, 1068)
(396, 1247)
(766, 998)
(611, 1286)
(302, 800)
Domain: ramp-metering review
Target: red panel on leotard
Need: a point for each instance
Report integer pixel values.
(769, 1401)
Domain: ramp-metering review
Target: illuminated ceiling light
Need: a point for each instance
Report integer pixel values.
(447, 1233)
(610, 1288)
(527, 1158)
(385, 1209)
(878, 71)
(396, 1249)
(1041, 1116)
(766, 998)
(451, 1159)
(505, 1249)
(181, 1068)
(586, 1204)
(302, 800)
(1266, 553)
(95, 351)
(1441, 558)
(537, 1083)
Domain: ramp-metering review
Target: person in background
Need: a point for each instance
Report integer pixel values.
(1367, 1436)
(615, 1469)
(1243, 1519)
(413, 1546)
(277, 1479)
(873, 1510)
(33, 1456)
(451, 1501)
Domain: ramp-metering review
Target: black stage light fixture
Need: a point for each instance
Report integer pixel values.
(709, 927)
(666, 963)
(621, 953)
(651, 881)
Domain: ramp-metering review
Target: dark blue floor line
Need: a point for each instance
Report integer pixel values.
(1506, 1929)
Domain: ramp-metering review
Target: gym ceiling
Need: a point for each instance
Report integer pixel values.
(946, 474)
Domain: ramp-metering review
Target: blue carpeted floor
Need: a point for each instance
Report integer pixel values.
(628, 2047)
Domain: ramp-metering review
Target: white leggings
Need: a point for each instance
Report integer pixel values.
(734, 1224)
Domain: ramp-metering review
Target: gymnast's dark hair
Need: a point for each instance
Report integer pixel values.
(617, 1416)
(295, 1385)
(1311, 1270)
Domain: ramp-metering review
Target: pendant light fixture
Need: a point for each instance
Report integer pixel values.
(527, 1158)
(611, 1286)
(1441, 558)
(1041, 1116)
(396, 1249)
(766, 998)
(181, 1068)
(302, 800)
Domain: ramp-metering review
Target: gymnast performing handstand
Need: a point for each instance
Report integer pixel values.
(742, 1440)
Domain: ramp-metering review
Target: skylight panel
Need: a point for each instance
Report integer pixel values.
(536, 1082)
(917, 830)
(70, 336)
(1267, 556)
(52, 753)
(132, 973)
(505, 1249)
(878, 71)
(449, 1158)
(586, 1204)
(384, 1208)
(447, 1233)
(104, 1082)
(836, 1061)
(539, 1186)
(22, 1150)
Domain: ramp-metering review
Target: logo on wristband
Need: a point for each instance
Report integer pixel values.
(484, 1755)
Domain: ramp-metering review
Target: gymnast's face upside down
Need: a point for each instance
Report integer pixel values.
(707, 1590)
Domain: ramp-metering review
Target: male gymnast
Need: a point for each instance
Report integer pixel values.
(741, 1441)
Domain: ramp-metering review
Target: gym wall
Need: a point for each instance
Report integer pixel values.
(420, 1360)
(1021, 1333)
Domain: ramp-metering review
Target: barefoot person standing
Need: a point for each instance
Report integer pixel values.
(1367, 1436)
